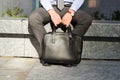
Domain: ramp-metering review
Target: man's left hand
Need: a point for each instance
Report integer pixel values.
(66, 19)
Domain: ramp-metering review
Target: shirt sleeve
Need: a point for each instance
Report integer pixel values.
(76, 4)
(48, 6)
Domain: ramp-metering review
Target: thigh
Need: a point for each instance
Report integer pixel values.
(81, 18)
(81, 22)
(40, 15)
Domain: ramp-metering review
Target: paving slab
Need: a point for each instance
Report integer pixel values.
(32, 69)
(86, 70)
(15, 68)
(11, 74)
(22, 64)
(3, 61)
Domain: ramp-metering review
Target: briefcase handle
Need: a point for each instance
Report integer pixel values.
(62, 26)
(54, 28)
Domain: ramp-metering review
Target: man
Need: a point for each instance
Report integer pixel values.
(70, 14)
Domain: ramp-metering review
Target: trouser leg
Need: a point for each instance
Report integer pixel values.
(81, 22)
(37, 20)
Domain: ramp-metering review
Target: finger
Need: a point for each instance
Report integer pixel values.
(63, 22)
(67, 25)
(59, 20)
(55, 25)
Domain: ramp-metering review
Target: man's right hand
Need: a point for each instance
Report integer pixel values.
(55, 17)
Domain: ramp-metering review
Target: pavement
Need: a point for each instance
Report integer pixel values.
(13, 68)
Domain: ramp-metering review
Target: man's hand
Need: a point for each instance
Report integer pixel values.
(55, 17)
(67, 18)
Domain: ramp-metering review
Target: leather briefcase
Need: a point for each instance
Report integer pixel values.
(58, 48)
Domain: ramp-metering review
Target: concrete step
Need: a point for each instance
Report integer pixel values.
(101, 41)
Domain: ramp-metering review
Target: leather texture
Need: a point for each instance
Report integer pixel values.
(61, 48)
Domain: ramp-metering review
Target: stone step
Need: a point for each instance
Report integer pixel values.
(102, 40)
(102, 50)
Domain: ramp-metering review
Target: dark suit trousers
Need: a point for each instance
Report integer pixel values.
(40, 17)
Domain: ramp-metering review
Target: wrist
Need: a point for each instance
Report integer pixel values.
(71, 12)
(51, 11)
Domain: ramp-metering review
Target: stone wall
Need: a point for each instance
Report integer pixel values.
(102, 40)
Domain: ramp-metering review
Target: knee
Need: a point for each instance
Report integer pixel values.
(83, 18)
(32, 17)
(89, 19)
(86, 19)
